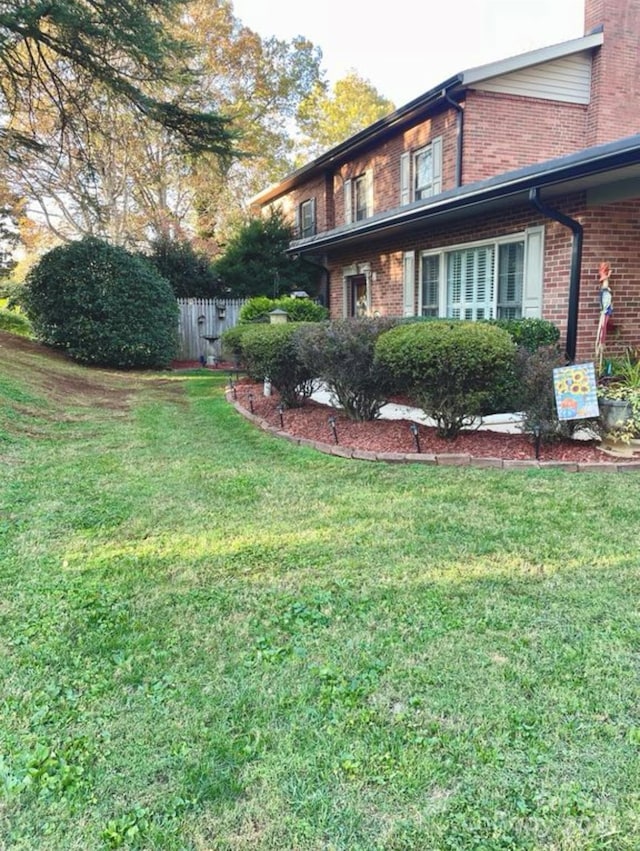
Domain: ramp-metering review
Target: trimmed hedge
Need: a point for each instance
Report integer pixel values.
(529, 333)
(298, 309)
(451, 369)
(269, 352)
(103, 305)
(342, 354)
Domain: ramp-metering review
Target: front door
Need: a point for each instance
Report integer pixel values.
(358, 295)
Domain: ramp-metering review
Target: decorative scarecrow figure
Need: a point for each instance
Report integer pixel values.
(606, 312)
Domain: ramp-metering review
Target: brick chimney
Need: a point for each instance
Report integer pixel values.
(614, 111)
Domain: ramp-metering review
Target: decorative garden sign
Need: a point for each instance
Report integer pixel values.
(575, 391)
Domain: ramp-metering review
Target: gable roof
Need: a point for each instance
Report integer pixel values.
(450, 89)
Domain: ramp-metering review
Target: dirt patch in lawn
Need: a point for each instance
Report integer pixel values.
(48, 376)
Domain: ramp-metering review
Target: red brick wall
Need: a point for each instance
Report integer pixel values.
(506, 132)
(614, 111)
(316, 188)
(384, 160)
(610, 233)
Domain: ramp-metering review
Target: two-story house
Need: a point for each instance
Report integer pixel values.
(497, 193)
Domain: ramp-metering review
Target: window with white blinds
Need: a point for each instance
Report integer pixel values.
(307, 218)
(470, 283)
(499, 278)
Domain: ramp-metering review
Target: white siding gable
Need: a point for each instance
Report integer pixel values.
(567, 79)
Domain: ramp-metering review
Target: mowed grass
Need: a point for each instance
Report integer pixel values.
(213, 639)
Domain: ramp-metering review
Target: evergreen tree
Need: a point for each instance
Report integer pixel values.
(122, 47)
(255, 263)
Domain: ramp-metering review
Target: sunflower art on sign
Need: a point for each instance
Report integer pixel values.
(575, 391)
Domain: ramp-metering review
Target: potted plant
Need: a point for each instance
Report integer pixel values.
(619, 400)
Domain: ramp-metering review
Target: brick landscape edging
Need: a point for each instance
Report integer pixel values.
(442, 460)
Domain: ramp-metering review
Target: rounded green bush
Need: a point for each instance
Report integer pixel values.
(103, 305)
(450, 368)
(231, 343)
(269, 351)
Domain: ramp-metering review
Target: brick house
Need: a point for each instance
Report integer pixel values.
(496, 193)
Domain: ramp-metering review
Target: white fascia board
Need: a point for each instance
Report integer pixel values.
(533, 57)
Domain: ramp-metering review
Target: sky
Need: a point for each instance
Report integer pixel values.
(406, 49)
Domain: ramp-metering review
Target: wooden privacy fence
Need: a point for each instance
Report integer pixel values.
(202, 321)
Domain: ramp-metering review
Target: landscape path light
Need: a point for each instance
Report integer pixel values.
(413, 428)
(332, 426)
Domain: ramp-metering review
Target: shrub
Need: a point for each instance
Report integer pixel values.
(342, 354)
(14, 322)
(231, 343)
(302, 309)
(269, 351)
(449, 368)
(103, 305)
(538, 401)
(257, 309)
(530, 333)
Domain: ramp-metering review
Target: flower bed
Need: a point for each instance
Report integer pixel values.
(395, 436)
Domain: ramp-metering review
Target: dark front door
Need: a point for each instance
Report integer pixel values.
(358, 295)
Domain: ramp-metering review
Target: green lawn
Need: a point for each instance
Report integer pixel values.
(212, 639)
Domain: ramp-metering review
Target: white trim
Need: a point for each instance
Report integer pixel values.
(349, 272)
(409, 283)
(405, 178)
(348, 202)
(533, 283)
(532, 57)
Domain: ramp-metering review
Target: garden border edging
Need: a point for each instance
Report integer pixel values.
(442, 460)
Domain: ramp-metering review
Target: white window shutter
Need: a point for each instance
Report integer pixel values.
(533, 273)
(369, 186)
(436, 160)
(409, 283)
(405, 178)
(348, 203)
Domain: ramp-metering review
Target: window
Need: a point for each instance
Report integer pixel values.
(307, 218)
(510, 280)
(499, 278)
(421, 172)
(360, 201)
(430, 284)
(470, 283)
(358, 198)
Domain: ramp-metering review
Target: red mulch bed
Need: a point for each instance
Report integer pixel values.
(312, 421)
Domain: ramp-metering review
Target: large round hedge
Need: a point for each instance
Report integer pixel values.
(103, 305)
(451, 368)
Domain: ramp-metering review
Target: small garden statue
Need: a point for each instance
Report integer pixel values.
(606, 312)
